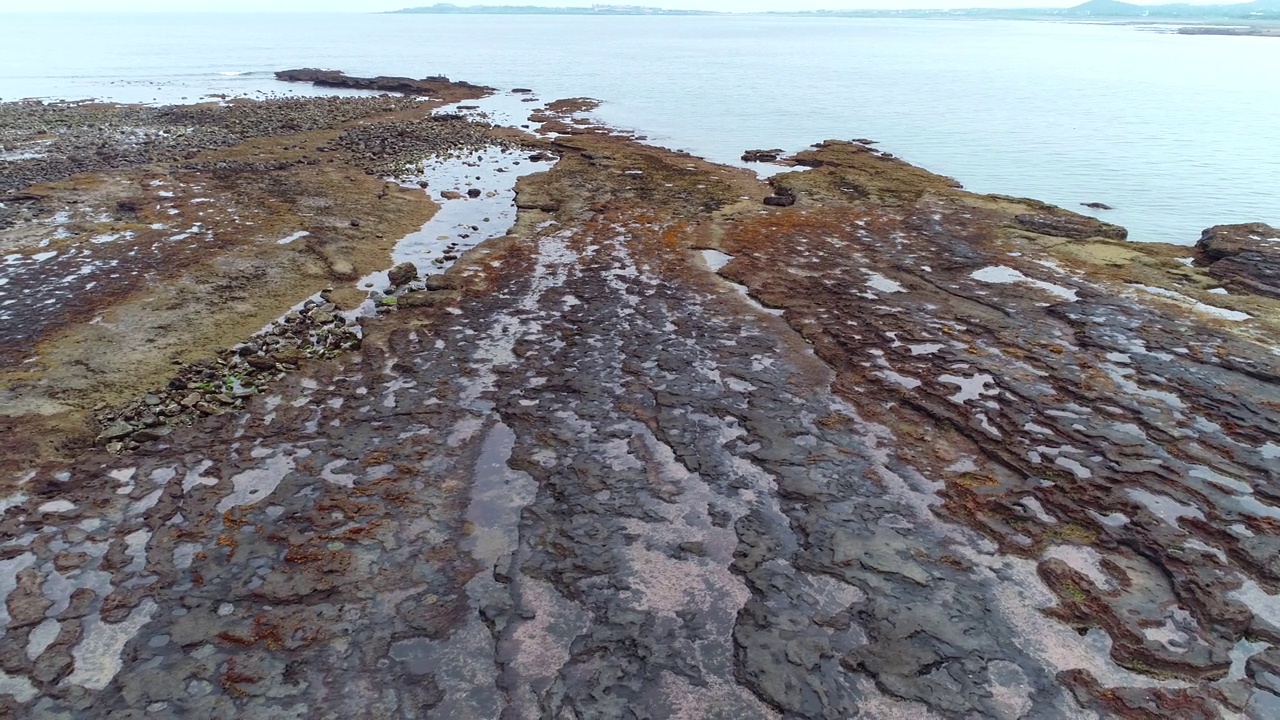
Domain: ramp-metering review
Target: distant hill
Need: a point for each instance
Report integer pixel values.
(1258, 9)
(450, 9)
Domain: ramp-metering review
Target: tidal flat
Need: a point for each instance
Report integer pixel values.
(424, 405)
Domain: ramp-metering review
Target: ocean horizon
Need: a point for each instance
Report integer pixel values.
(1144, 122)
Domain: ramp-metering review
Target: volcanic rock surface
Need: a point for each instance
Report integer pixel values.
(892, 450)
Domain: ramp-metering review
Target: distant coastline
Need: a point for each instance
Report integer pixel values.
(1258, 18)
(451, 9)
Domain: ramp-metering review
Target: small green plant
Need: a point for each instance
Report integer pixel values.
(1073, 592)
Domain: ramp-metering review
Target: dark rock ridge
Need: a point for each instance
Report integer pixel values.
(766, 156)
(332, 78)
(1244, 256)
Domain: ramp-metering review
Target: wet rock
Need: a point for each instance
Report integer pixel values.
(208, 408)
(1097, 206)
(402, 274)
(428, 298)
(152, 434)
(332, 78)
(473, 193)
(1246, 256)
(766, 156)
(27, 603)
(116, 431)
(256, 362)
(440, 281)
(1076, 227)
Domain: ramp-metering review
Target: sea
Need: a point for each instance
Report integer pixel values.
(1176, 132)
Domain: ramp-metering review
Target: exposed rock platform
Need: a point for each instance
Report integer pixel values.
(891, 450)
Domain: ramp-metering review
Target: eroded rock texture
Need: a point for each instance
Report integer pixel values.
(893, 450)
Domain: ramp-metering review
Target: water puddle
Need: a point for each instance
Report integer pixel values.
(715, 259)
(475, 190)
(1196, 305)
(1164, 507)
(999, 274)
(876, 281)
(463, 664)
(498, 494)
(463, 221)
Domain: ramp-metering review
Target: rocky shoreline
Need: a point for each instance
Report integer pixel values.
(680, 443)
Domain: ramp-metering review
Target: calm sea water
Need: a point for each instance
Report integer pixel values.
(1177, 132)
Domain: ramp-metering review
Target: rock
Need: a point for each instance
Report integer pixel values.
(521, 91)
(440, 281)
(761, 155)
(1097, 206)
(257, 362)
(780, 200)
(289, 355)
(152, 433)
(451, 195)
(1223, 241)
(116, 431)
(355, 223)
(1246, 256)
(1076, 227)
(151, 399)
(427, 299)
(409, 86)
(403, 274)
(208, 409)
(473, 193)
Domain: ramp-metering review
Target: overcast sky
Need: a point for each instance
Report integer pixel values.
(383, 5)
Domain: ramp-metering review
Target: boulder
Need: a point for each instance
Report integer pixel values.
(403, 274)
(1097, 206)
(780, 200)
(451, 195)
(1246, 256)
(473, 193)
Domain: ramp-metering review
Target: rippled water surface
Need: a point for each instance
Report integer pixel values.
(1176, 132)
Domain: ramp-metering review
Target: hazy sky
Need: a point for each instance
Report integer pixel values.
(381, 5)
